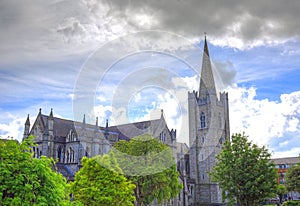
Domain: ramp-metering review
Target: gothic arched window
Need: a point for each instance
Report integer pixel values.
(220, 120)
(202, 120)
(68, 157)
(59, 152)
(162, 137)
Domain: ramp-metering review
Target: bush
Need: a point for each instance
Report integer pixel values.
(291, 203)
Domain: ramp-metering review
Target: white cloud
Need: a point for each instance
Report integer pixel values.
(263, 120)
(101, 112)
(293, 152)
(13, 128)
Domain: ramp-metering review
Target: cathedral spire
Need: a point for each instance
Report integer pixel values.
(205, 46)
(207, 83)
(51, 114)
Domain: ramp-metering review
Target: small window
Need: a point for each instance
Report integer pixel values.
(220, 120)
(202, 120)
(162, 137)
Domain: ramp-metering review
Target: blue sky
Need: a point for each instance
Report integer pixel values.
(126, 60)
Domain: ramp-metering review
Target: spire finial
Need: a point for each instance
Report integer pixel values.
(205, 45)
(51, 114)
(40, 111)
(106, 123)
(97, 121)
(83, 119)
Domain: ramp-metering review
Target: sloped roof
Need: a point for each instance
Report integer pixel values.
(63, 126)
(182, 148)
(124, 131)
(286, 160)
(128, 131)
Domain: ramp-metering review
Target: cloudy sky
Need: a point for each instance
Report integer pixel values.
(126, 60)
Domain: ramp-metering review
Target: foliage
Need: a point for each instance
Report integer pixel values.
(291, 203)
(281, 191)
(100, 182)
(25, 180)
(150, 165)
(293, 178)
(245, 172)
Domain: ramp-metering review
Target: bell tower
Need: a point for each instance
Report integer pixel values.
(208, 129)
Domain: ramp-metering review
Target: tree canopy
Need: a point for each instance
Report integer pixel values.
(25, 180)
(100, 182)
(150, 165)
(281, 191)
(293, 178)
(244, 171)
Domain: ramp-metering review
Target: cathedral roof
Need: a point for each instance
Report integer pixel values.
(182, 148)
(61, 127)
(128, 131)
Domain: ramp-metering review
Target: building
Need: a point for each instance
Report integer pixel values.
(282, 165)
(68, 141)
(208, 129)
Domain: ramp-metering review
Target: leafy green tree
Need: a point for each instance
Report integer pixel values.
(244, 172)
(281, 191)
(150, 165)
(293, 178)
(25, 180)
(100, 182)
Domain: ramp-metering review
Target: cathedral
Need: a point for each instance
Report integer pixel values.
(68, 141)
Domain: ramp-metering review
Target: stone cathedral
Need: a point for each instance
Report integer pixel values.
(68, 141)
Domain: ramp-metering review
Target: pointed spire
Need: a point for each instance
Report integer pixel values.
(96, 121)
(40, 111)
(83, 121)
(51, 114)
(207, 83)
(106, 133)
(27, 121)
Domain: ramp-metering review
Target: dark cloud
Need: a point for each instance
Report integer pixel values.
(73, 26)
(246, 20)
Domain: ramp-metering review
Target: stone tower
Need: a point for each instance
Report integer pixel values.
(208, 129)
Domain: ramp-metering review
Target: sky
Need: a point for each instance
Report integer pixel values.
(125, 60)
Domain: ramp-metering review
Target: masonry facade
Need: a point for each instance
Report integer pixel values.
(68, 141)
(208, 129)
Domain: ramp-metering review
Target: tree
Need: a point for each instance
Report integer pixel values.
(293, 178)
(149, 164)
(281, 191)
(100, 182)
(244, 172)
(25, 180)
